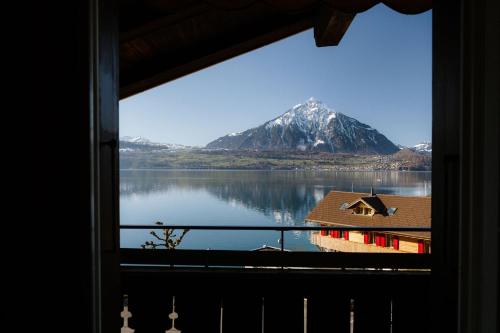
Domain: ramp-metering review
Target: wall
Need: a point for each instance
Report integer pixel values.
(408, 244)
(356, 244)
(339, 244)
(356, 237)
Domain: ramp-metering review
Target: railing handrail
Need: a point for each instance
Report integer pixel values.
(272, 228)
(273, 259)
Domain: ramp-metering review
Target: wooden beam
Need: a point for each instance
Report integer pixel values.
(220, 281)
(274, 259)
(331, 25)
(162, 22)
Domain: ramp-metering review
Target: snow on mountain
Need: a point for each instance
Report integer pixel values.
(138, 143)
(423, 147)
(136, 139)
(310, 126)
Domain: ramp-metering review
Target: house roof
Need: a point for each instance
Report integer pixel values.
(164, 40)
(411, 212)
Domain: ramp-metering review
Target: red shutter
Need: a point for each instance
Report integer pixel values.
(323, 232)
(382, 240)
(377, 240)
(395, 242)
(366, 238)
(420, 246)
(346, 235)
(332, 233)
(337, 234)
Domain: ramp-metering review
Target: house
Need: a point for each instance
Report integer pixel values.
(352, 209)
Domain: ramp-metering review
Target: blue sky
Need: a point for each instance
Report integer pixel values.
(380, 74)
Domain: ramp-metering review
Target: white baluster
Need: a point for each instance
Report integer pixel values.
(126, 314)
(173, 316)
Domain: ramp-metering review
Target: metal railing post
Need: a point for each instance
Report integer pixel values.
(282, 240)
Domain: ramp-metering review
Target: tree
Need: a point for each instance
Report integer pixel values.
(169, 240)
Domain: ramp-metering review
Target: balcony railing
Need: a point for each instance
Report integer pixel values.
(276, 291)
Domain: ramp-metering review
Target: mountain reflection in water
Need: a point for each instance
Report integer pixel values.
(185, 197)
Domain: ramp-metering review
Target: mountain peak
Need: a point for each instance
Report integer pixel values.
(310, 126)
(312, 102)
(312, 113)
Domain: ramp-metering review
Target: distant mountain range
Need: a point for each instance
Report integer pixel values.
(310, 126)
(141, 153)
(135, 139)
(424, 147)
(138, 143)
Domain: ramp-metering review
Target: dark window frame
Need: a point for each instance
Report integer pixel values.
(460, 31)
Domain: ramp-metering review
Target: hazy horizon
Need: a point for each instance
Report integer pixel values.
(380, 74)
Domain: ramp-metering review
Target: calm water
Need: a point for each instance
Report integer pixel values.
(243, 198)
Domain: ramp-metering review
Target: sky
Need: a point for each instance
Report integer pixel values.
(379, 74)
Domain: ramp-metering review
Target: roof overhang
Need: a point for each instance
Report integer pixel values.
(163, 40)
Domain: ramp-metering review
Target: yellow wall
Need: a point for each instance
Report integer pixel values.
(356, 236)
(408, 244)
(341, 245)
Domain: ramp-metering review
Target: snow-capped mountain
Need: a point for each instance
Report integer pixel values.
(135, 139)
(138, 143)
(423, 147)
(311, 126)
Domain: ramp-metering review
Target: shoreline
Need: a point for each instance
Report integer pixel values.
(261, 170)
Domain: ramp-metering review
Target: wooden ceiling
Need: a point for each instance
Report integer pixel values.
(161, 40)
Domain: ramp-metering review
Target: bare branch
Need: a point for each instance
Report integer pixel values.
(169, 240)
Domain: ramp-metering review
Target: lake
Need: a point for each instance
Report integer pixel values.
(261, 198)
